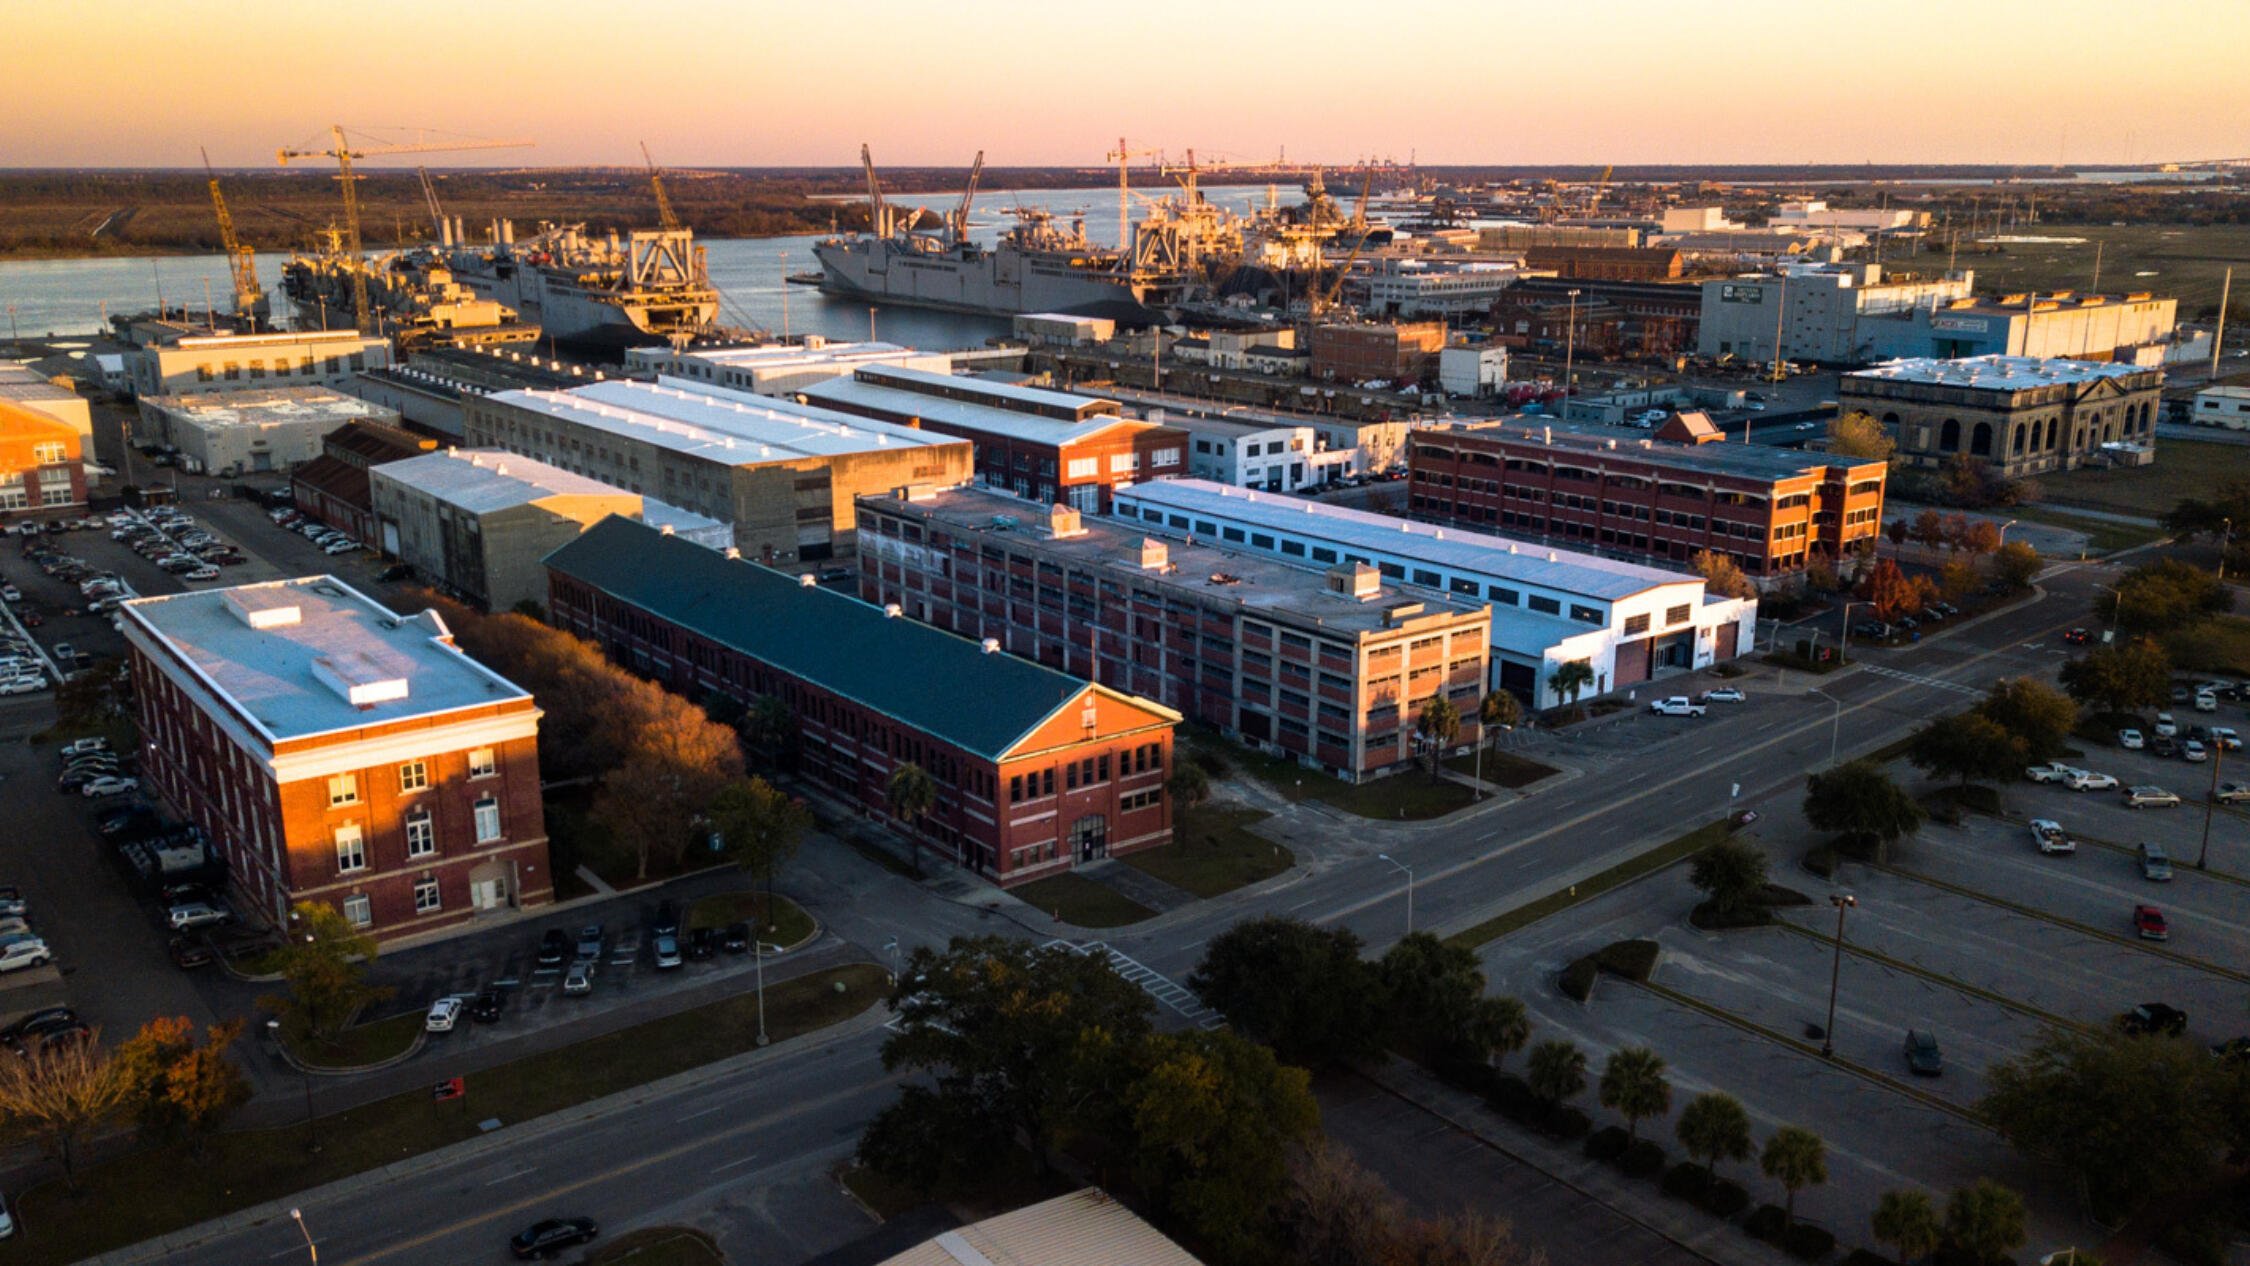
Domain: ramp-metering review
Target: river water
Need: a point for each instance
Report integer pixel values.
(73, 296)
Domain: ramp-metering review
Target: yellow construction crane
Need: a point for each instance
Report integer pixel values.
(968, 199)
(241, 261)
(344, 155)
(1601, 186)
(1323, 297)
(1123, 156)
(664, 214)
(429, 196)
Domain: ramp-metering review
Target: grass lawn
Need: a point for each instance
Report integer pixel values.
(2220, 644)
(1503, 768)
(787, 926)
(1213, 850)
(2183, 468)
(2185, 260)
(2102, 536)
(1408, 795)
(362, 1044)
(660, 1246)
(1586, 890)
(165, 1188)
(1077, 899)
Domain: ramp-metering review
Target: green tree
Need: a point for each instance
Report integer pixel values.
(1860, 802)
(2162, 596)
(2016, 565)
(1498, 712)
(1796, 1159)
(323, 958)
(910, 792)
(761, 827)
(1731, 874)
(2039, 715)
(2120, 677)
(1215, 1118)
(1907, 1221)
(1500, 1026)
(1438, 724)
(1890, 591)
(1858, 434)
(177, 1088)
(1301, 989)
(1722, 577)
(1569, 679)
(1968, 746)
(59, 1096)
(1557, 1071)
(1985, 1220)
(933, 1142)
(1956, 580)
(1188, 786)
(1431, 989)
(1633, 1086)
(1713, 1127)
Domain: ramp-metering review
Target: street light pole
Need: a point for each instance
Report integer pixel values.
(760, 948)
(1842, 901)
(2210, 803)
(298, 1216)
(1835, 722)
(1570, 349)
(312, 1135)
(1409, 888)
(2004, 532)
(2225, 535)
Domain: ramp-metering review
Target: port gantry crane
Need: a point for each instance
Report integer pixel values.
(1123, 156)
(1322, 297)
(249, 296)
(345, 155)
(959, 228)
(664, 216)
(429, 195)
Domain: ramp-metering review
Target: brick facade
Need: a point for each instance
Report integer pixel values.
(41, 462)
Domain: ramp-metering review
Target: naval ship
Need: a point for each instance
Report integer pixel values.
(647, 286)
(411, 294)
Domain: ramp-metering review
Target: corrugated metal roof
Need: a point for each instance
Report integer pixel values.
(923, 676)
(481, 480)
(1999, 373)
(718, 424)
(1084, 1228)
(851, 395)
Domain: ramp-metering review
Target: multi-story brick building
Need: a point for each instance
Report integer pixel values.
(1329, 668)
(1036, 771)
(1359, 353)
(333, 487)
(1605, 263)
(1049, 446)
(41, 461)
(335, 751)
(2022, 415)
(1616, 491)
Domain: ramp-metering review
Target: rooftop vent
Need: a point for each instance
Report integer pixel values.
(666, 529)
(892, 611)
(806, 579)
(264, 608)
(358, 679)
(991, 646)
(1357, 581)
(732, 553)
(1155, 555)
(1064, 522)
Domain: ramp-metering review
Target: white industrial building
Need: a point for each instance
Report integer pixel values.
(1630, 624)
(1472, 371)
(1819, 312)
(2222, 406)
(1273, 457)
(779, 369)
(233, 433)
(1412, 287)
(211, 364)
(1815, 214)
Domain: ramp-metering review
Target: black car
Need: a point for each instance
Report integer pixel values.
(667, 919)
(130, 822)
(188, 955)
(736, 939)
(44, 1020)
(554, 947)
(1923, 1058)
(2153, 1019)
(702, 943)
(487, 1006)
(2163, 745)
(545, 1239)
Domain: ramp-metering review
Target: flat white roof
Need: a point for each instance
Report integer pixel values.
(780, 354)
(292, 654)
(989, 389)
(983, 418)
(275, 340)
(1084, 1228)
(275, 406)
(717, 424)
(1563, 571)
(1999, 373)
(481, 480)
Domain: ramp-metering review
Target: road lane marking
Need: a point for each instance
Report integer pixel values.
(521, 1173)
(732, 1163)
(706, 1111)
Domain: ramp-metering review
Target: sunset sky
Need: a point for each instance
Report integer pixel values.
(102, 83)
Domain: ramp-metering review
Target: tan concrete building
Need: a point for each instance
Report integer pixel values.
(253, 362)
(2023, 415)
(782, 474)
(235, 432)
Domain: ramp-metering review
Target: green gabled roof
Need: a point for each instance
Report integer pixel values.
(934, 681)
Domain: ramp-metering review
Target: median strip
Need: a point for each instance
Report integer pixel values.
(1587, 889)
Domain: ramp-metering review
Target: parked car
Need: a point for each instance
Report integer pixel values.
(2224, 738)
(22, 684)
(2049, 835)
(486, 1007)
(2052, 771)
(188, 955)
(2146, 797)
(1923, 1058)
(554, 948)
(109, 786)
(580, 977)
(590, 941)
(1724, 694)
(2166, 726)
(667, 922)
(19, 952)
(44, 1020)
(551, 1236)
(444, 1013)
(2164, 745)
(2088, 780)
(2235, 1050)
(667, 951)
(702, 943)
(2156, 864)
(2232, 793)
(1676, 706)
(2194, 753)
(1875, 629)
(2131, 739)
(736, 939)
(197, 914)
(2149, 924)
(80, 747)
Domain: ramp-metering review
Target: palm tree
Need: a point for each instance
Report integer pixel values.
(1558, 1071)
(1908, 1220)
(1794, 1158)
(1986, 1219)
(1569, 679)
(1439, 723)
(1714, 1127)
(1497, 713)
(1633, 1086)
(910, 793)
(1188, 787)
(1501, 1026)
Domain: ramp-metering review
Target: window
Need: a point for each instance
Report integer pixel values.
(357, 911)
(1585, 615)
(413, 776)
(343, 789)
(47, 454)
(351, 850)
(481, 764)
(421, 834)
(1635, 625)
(1084, 467)
(1545, 606)
(425, 896)
(488, 819)
(1677, 615)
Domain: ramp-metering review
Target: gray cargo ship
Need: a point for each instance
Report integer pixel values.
(644, 287)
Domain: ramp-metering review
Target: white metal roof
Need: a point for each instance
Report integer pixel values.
(481, 480)
(1084, 1228)
(776, 354)
(1998, 373)
(272, 406)
(1041, 397)
(983, 418)
(718, 424)
(1373, 534)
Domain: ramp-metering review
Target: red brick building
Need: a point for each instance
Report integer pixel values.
(41, 461)
(1036, 771)
(1618, 492)
(1053, 447)
(1329, 668)
(333, 487)
(335, 751)
(1605, 263)
(1399, 352)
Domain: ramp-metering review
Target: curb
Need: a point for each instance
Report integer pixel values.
(164, 1246)
(413, 1048)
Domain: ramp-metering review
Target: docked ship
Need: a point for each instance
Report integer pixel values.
(411, 295)
(643, 287)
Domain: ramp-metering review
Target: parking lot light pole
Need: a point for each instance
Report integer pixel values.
(1844, 633)
(298, 1216)
(312, 1135)
(2210, 804)
(761, 947)
(1409, 888)
(1842, 901)
(1835, 722)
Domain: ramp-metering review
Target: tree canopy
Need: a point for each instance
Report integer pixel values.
(1302, 989)
(1795, 1158)
(1858, 434)
(176, 1087)
(2016, 565)
(1985, 1220)
(2120, 677)
(324, 959)
(760, 826)
(1633, 1086)
(1968, 746)
(2164, 595)
(1721, 575)
(1714, 1127)
(1214, 1118)
(1859, 801)
(1731, 874)
(2038, 715)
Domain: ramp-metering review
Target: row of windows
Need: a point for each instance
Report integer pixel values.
(414, 775)
(232, 370)
(361, 913)
(421, 835)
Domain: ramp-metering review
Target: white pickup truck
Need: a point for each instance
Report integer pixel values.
(2052, 771)
(1676, 706)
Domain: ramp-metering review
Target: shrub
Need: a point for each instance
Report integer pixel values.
(1565, 1122)
(1634, 960)
(1644, 1159)
(1867, 1257)
(1821, 860)
(1710, 918)
(1466, 1073)
(1766, 1223)
(1806, 1242)
(1606, 1143)
(1577, 980)
(1511, 1097)
(1685, 1181)
(1724, 1198)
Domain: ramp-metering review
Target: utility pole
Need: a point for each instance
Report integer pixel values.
(1570, 350)
(1842, 901)
(2219, 335)
(2210, 803)
(2096, 288)
(1780, 311)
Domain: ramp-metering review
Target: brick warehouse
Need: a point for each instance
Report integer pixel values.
(333, 750)
(1329, 668)
(1036, 771)
(1616, 491)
